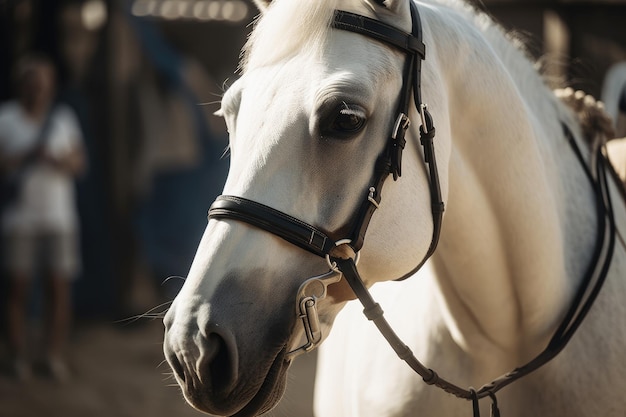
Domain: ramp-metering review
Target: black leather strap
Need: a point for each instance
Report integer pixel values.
(283, 225)
(417, 32)
(383, 32)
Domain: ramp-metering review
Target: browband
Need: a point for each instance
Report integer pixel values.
(372, 28)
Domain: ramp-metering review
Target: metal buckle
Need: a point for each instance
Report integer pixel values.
(333, 265)
(371, 199)
(423, 110)
(403, 122)
(312, 290)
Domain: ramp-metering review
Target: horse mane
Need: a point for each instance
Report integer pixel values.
(596, 123)
(510, 45)
(287, 27)
(526, 71)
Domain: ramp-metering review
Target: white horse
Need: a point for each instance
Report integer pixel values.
(308, 118)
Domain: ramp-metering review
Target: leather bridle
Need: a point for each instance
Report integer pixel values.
(316, 240)
(323, 243)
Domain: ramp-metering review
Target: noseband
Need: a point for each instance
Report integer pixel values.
(321, 242)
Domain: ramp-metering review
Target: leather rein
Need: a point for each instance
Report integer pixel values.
(322, 243)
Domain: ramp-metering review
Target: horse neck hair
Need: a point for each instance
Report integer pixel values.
(512, 52)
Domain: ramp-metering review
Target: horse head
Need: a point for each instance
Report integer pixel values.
(308, 120)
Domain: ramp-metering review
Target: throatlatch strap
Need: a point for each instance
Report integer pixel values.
(427, 135)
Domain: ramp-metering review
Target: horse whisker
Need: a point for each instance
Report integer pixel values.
(209, 103)
(173, 277)
(150, 314)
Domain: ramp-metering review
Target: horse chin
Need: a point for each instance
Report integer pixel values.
(268, 394)
(271, 391)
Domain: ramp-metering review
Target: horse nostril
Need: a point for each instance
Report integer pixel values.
(220, 362)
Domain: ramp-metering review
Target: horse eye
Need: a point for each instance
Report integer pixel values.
(347, 121)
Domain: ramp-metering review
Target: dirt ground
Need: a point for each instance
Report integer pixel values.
(118, 372)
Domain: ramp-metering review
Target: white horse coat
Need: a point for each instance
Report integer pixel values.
(518, 232)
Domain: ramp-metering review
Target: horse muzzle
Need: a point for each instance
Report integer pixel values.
(206, 361)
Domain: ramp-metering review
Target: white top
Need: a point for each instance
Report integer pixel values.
(46, 201)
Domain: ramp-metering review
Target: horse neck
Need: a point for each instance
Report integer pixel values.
(511, 253)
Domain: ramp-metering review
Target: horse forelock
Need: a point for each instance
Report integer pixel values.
(286, 28)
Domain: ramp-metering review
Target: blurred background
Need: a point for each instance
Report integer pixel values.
(144, 78)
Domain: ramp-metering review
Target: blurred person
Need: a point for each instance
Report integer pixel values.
(41, 147)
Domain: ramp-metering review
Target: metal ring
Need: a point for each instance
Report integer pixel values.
(333, 265)
(423, 109)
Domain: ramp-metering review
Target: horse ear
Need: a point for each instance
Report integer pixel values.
(395, 6)
(262, 4)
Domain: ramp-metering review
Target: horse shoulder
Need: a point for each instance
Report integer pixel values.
(358, 374)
